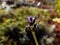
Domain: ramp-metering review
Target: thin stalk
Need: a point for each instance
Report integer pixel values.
(34, 36)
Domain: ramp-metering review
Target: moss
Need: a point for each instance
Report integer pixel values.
(20, 15)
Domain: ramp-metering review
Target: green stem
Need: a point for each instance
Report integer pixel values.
(34, 36)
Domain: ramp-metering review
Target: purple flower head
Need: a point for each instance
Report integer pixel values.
(31, 20)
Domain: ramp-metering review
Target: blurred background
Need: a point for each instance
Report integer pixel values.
(29, 22)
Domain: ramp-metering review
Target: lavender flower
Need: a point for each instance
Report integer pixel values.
(31, 20)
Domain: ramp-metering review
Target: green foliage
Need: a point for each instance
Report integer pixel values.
(9, 21)
(57, 6)
(20, 15)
